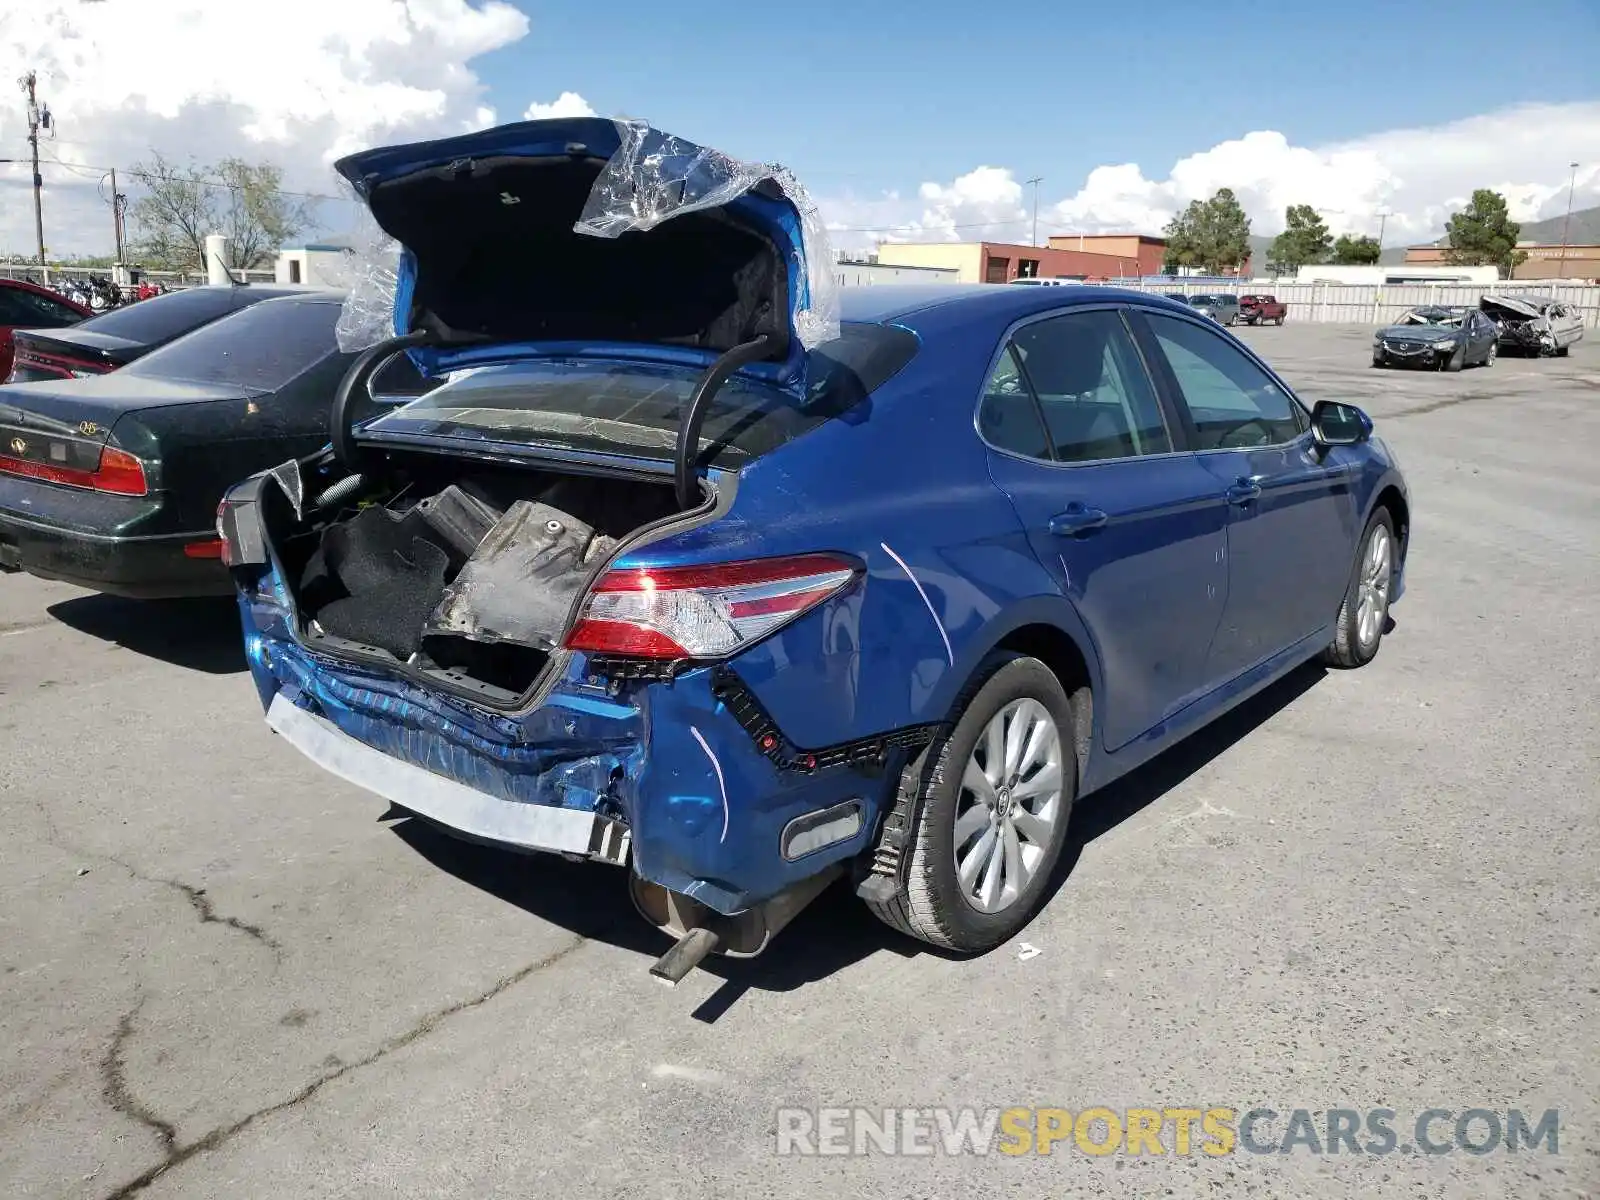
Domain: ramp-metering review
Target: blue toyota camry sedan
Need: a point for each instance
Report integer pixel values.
(682, 571)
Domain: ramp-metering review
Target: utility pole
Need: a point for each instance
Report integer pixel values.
(36, 118)
(118, 203)
(1561, 271)
(1036, 180)
(1383, 222)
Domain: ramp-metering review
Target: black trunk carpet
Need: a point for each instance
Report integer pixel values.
(375, 581)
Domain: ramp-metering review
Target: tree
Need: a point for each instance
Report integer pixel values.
(1483, 234)
(1361, 251)
(1305, 239)
(182, 204)
(1212, 234)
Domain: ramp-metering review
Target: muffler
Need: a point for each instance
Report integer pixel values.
(702, 931)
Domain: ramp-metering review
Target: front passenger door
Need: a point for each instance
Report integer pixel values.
(1292, 515)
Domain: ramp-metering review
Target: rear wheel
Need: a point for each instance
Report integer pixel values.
(1494, 352)
(990, 813)
(1359, 629)
(1561, 351)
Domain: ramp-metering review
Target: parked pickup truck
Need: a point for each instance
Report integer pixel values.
(1262, 310)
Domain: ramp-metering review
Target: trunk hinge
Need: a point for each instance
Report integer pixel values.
(694, 415)
(363, 368)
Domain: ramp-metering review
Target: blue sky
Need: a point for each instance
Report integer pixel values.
(881, 95)
(905, 120)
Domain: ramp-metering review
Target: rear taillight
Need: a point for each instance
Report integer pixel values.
(703, 612)
(118, 472)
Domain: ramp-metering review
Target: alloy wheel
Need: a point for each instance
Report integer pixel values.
(1377, 570)
(1008, 806)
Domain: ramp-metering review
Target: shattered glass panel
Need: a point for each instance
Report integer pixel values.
(368, 273)
(655, 176)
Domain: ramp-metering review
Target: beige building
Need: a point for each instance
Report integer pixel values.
(1147, 251)
(1544, 261)
(1002, 262)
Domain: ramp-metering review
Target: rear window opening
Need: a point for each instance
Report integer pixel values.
(464, 575)
(634, 408)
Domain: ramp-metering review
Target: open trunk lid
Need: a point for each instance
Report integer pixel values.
(587, 237)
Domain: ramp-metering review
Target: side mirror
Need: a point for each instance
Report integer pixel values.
(1334, 424)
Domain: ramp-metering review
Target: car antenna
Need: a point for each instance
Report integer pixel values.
(232, 282)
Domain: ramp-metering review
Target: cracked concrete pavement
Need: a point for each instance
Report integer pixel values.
(221, 972)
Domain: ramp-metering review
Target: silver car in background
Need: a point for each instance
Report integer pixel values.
(1534, 324)
(1221, 307)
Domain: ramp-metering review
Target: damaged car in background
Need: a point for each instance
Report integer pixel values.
(1436, 338)
(692, 567)
(1534, 324)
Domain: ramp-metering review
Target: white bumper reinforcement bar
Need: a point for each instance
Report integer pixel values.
(531, 826)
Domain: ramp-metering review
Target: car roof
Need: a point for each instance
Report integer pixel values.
(889, 303)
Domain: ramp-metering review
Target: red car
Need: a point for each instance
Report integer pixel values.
(26, 305)
(1262, 310)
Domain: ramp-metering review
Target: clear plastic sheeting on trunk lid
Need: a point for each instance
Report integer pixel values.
(368, 272)
(655, 176)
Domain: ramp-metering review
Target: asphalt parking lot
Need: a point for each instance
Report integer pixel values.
(222, 974)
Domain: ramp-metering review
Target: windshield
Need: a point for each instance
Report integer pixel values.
(1432, 316)
(635, 407)
(260, 348)
(162, 318)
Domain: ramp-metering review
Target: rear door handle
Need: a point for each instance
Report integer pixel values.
(1243, 491)
(1077, 521)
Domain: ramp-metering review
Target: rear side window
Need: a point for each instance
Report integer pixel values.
(260, 348)
(162, 318)
(18, 306)
(1090, 386)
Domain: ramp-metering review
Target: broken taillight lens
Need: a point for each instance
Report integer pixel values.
(703, 612)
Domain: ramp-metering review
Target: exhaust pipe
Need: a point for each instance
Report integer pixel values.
(701, 930)
(685, 955)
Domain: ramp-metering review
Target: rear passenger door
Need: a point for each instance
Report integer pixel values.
(1291, 511)
(1131, 528)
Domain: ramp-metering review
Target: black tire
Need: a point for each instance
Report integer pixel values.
(1456, 361)
(1489, 355)
(1378, 360)
(1562, 351)
(1347, 649)
(928, 904)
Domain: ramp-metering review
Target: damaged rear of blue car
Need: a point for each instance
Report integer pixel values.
(580, 598)
(690, 567)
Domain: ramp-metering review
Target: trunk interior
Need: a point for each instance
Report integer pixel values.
(463, 574)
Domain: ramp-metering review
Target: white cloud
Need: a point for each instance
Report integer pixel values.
(568, 104)
(1420, 175)
(297, 82)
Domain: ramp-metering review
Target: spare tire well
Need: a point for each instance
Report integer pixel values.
(1057, 650)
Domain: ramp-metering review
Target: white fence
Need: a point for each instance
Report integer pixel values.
(1381, 303)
